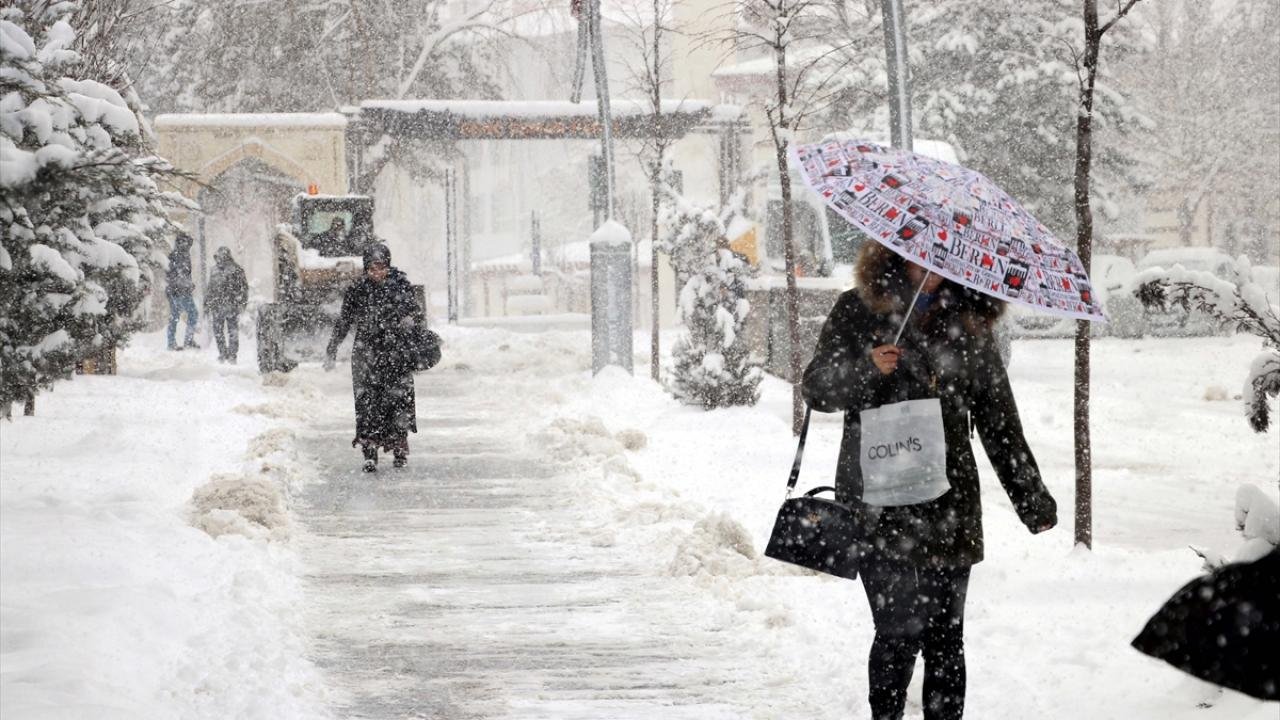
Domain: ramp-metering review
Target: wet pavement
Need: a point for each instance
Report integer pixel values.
(471, 584)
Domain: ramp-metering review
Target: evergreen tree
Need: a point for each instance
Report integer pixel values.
(714, 366)
(80, 208)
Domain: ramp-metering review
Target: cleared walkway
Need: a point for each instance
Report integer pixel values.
(468, 586)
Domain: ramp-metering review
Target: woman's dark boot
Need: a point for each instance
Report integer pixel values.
(370, 459)
(402, 458)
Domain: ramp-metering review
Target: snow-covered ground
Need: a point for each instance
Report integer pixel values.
(115, 605)
(1048, 626)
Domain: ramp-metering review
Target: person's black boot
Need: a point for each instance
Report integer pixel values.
(370, 460)
(402, 459)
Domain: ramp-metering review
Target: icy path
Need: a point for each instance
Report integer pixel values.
(468, 586)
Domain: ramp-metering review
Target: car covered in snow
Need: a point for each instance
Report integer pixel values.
(1267, 277)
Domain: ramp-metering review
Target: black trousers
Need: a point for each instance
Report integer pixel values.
(916, 609)
(226, 332)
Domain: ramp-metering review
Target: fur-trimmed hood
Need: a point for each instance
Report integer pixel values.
(884, 288)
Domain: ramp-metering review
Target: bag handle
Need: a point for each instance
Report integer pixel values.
(795, 467)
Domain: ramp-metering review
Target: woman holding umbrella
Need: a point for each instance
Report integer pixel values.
(913, 344)
(915, 559)
(382, 308)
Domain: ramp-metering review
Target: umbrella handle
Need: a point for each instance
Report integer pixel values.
(912, 307)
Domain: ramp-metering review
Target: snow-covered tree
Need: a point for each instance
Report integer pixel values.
(309, 55)
(1247, 307)
(997, 81)
(80, 207)
(1212, 87)
(714, 366)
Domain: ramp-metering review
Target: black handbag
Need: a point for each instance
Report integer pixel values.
(417, 347)
(814, 532)
(426, 349)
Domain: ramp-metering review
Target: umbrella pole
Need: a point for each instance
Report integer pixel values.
(912, 308)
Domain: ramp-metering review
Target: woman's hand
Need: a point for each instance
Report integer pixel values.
(886, 358)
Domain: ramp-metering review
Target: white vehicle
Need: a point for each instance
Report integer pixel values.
(1268, 278)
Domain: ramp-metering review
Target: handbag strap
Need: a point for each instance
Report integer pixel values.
(795, 467)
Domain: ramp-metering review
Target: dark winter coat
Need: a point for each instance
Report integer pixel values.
(381, 372)
(178, 279)
(949, 355)
(228, 291)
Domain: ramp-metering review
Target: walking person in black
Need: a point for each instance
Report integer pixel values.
(226, 298)
(382, 307)
(180, 289)
(915, 559)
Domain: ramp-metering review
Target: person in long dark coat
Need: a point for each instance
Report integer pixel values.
(226, 298)
(382, 307)
(179, 289)
(915, 559)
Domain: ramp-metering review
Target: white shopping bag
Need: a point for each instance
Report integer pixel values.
(904, 453)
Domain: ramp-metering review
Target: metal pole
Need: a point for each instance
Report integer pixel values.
(450, 250)
(895, 48)
(601, 74)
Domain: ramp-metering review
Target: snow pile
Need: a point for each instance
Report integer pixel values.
(717, 546)
(1258, 519)
(246, 505)
(1215, 393)
(584, 440)
(611, 233)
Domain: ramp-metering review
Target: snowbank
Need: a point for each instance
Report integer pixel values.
(122, 598)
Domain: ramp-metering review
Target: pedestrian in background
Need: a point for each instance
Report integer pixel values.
(226, 297)
(179, 288)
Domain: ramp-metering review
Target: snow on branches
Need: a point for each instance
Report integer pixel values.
(713, 364)
(80, 209)
(1246, 307)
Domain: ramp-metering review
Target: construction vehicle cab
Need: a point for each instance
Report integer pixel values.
(317, 256)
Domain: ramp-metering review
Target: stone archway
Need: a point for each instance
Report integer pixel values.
(308, 147)
(254, 149)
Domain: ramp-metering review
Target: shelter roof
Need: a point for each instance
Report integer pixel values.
(534, 119)
(331, 121)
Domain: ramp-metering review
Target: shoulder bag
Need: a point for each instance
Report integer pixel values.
(813, 532)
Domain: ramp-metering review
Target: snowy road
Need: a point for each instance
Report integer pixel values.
(474, 584)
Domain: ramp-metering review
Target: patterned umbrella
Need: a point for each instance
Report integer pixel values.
(951, 220)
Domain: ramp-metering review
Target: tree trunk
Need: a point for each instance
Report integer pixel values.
(29, 406)
(1084, 246)
(655, 89)
(655, 356)
(781, 139)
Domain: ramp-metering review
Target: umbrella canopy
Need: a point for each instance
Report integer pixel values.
(1224, 627)
(951, 220)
